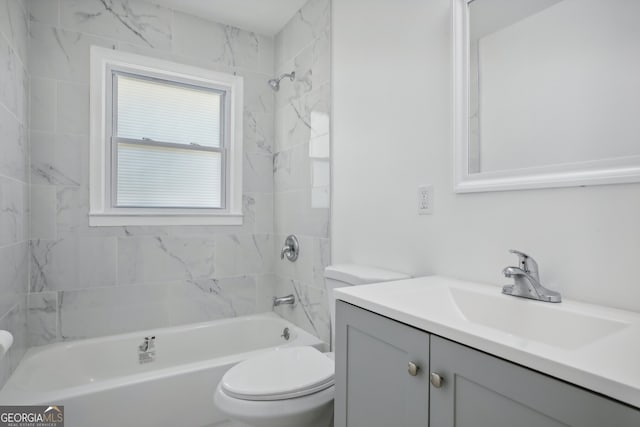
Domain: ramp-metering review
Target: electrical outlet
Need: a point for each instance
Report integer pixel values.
(425, 199)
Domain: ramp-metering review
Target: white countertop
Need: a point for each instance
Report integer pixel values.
(609, 365)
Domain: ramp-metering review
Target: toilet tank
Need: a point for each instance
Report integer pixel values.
(342, 275)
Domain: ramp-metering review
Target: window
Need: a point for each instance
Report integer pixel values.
(166, 142)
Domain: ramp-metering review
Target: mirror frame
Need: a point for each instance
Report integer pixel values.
(598, 172)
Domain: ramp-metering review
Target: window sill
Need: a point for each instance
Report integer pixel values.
(118, 219)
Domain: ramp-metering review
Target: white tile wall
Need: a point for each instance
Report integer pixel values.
(94, 281)
(89, 281)
(301, 164)
(14, 179)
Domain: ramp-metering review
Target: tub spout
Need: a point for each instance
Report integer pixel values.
(289, 299)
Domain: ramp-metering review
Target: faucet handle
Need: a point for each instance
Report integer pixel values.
(526, 262)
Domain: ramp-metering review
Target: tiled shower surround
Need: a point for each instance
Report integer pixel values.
(14, 179)
(301, 163)
(90, 281)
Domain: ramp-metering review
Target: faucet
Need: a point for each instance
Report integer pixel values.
(527, 280)
(291, 248)
(289, 299)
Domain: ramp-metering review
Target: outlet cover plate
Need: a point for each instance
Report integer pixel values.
(425, 199)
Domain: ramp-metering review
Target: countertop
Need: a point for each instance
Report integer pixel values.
(609, 365)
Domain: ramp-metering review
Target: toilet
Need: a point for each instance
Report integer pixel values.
(294, 386)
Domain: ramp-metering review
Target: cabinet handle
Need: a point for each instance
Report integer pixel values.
(436, 380)
(413, 369)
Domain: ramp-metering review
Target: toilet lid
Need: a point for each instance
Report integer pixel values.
(280, 374)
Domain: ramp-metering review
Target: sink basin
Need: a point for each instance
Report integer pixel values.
(551, 324)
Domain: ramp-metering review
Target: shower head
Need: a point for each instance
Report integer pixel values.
(275, 83)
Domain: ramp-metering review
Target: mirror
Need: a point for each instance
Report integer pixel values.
(547, 93)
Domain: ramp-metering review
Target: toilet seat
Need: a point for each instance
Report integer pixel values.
(280, 374)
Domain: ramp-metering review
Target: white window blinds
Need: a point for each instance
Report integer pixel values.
(168, 144)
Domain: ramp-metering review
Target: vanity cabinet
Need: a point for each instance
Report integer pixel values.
(375, 389)
(373, 383)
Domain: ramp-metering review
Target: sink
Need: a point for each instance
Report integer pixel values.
(593, 346)
(552, 324)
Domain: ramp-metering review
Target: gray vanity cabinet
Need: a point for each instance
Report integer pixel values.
(375, 389)
(374, 385)
(480, 390)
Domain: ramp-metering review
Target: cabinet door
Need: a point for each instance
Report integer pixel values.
(480, 390)
(373, 385)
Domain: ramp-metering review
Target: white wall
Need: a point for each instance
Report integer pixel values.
(392, 131)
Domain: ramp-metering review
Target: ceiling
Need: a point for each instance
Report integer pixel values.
(265, 17)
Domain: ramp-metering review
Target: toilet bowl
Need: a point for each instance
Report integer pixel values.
(292, 387)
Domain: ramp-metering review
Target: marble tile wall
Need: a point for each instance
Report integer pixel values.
(14, 179)
(301, 165)
(88, 281)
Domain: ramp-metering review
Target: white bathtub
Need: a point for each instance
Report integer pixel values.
(101, 382)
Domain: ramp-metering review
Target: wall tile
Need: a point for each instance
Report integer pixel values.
(14, 205)
(257, 173)
(43, 212)
(210, 299)
(73, 261)
(14, 26)
(267, 55)
(312, 67)
(164, 259)
(58, 159)
(14, 188)
(264, 212)
(265, 291)
(321, 260)
(292, 168)
(302, 119)
(258, 132)
(42, 318)
(61, 54)
(43, 104)
(224, 45)
(311, 311)
(72, 209)
(73, 108)
(308, 24)
(259, 97)
(14, 321)
(135, 22)
(96, 312)
(301, 165)
(13, 145)
(44, 11)
(14, 262)
(294, 212)
(240, 254)
(13, 81)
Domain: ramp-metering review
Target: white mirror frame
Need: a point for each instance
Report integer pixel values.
(598, 172)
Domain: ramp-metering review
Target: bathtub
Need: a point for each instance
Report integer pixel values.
(101, 381)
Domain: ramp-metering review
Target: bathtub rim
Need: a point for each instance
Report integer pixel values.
(12, 393)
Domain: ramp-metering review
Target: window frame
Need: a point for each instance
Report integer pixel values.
(103, 176)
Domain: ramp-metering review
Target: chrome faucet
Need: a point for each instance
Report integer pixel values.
(291, 248)
(289, 299)
(147, 350)
(527, 280)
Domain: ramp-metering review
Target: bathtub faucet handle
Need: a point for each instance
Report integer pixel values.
(290, 249)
